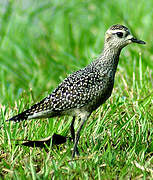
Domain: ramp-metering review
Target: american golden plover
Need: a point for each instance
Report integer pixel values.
(86, 89)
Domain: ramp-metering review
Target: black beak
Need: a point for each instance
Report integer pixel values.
(137, 41)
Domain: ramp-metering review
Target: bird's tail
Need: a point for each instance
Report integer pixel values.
(20, 117)
(29, 113)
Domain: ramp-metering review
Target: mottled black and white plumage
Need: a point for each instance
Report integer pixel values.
(85, 90)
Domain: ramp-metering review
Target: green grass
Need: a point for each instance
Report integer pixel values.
(41, 42)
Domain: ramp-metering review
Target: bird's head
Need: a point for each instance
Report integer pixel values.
(119, 36)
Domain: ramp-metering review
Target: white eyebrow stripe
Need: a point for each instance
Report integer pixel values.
(115, 31)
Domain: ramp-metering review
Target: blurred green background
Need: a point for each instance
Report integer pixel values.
(43, 41)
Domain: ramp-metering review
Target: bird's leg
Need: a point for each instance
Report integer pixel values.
(72, 129)
(73, 133)
(75, 149)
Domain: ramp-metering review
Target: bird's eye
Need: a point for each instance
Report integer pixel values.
(119, 34)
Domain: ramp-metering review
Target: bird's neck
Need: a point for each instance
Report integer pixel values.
(108, 59)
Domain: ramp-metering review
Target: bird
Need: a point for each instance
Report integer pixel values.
(83, 91)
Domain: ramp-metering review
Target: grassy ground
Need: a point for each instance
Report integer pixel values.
(41, 42)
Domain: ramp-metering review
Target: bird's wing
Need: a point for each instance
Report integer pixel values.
(75, 91)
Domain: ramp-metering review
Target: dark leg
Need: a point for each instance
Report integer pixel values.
(73, 133)
(75, 150)
(72, 129)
